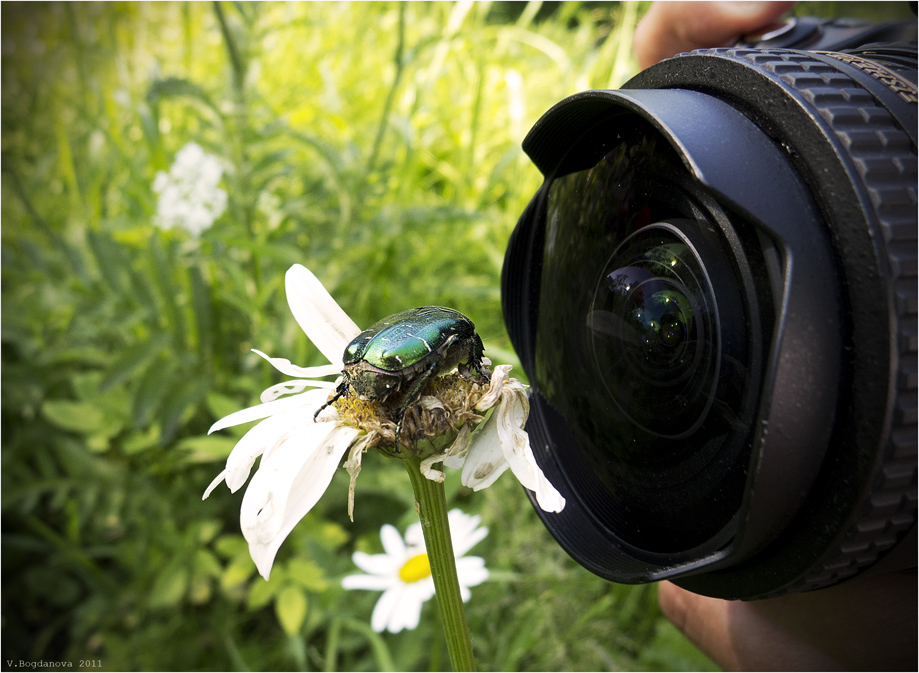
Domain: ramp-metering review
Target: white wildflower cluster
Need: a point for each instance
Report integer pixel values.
(188, 195)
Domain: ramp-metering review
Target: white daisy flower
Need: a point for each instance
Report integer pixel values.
(299, 456)
(403, 573)
(188, 195)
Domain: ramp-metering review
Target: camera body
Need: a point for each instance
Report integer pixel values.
(714, 295)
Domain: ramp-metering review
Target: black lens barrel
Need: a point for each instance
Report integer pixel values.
(813, 156)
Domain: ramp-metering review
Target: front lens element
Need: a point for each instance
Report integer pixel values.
(648, 342)
(655, 332)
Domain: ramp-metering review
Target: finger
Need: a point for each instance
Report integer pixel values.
(669, 28)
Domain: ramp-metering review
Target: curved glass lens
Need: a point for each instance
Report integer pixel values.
(647, 343)
(655, 332)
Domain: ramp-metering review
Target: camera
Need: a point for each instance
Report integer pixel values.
(714, 296)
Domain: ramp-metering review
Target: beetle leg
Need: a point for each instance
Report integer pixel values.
(476, 351)
(412, 396)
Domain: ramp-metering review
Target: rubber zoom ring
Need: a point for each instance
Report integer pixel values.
(885, 158)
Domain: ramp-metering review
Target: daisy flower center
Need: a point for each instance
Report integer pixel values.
(415, 569)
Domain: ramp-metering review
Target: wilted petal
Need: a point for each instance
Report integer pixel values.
(511, 415)
(318, 314)
(287, 485)
(485, 461)
(499, 378)
(285, 366)
(453, 457)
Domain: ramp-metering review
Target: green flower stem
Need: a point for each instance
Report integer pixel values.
(432, 510)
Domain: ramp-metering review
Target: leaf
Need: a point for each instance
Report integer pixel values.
(290, 608)
(221, 405)
(139, 441)
(260, 593)
(132, 360)
(169, 587)
(231, 546)
(203, 310)
(308, 575)
(174, 87)
(73, 416)
(207, 449)
(238, 572)
(181, 405)
(207, 564)
(155, 384)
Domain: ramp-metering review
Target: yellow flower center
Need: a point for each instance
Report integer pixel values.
(415, 569)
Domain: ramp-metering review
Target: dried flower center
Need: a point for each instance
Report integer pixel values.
(415, 569)
(444, 405)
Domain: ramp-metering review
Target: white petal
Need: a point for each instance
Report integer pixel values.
(219, 478)
(464, 531)
(485, 461)
(369, 582)
(378, 564)
(293, 388)
(268, 434)
(287, 485)
(408, 613)
(284, 366)
(414, 538)
(260, 411)
(383, 611)
(392, 542)
(318, 314)
(471, 571)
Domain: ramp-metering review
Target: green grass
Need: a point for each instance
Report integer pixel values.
(390, 164)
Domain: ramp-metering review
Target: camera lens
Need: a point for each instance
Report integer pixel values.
(655, 364)
(714, 297)
(655, 332)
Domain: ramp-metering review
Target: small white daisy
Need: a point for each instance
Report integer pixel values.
(299, 456)
(403, 573)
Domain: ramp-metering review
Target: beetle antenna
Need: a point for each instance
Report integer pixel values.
(339, 392)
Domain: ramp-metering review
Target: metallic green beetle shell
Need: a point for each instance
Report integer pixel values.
(403, 351)
(403, 339)
(405, 345)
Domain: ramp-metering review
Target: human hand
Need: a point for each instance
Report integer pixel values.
(864, 624)
(669, 28)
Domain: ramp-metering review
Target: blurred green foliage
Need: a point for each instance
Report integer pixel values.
(379, 145)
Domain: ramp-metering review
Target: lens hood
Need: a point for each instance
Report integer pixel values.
(768, 198)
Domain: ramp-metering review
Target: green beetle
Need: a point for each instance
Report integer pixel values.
(401, 352)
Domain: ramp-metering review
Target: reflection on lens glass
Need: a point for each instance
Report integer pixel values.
(647, 345)
(654, 327)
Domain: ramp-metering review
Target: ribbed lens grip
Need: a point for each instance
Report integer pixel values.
(868, 123)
